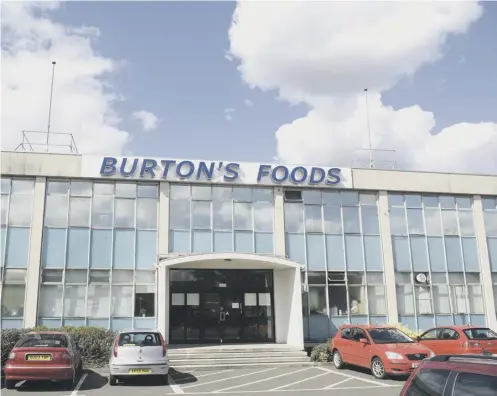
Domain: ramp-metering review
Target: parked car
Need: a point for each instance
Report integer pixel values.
(385, 350)
(460, 340)
(137, 353)
(449, 375)
(50, 356)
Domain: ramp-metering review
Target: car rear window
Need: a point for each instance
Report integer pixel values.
(480, 334)
(140, 339)
(428, 382)
(43, 340)
(475, 385)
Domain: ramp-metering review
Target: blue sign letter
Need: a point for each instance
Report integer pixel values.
(263, 172)
(231, 171)
(191, 169)
(202, 168)
(274, 174)
(293, 174)
(108, 167)
(148, 166)
(333, 176)
(124, 172)
(312, 180)
(165, 164)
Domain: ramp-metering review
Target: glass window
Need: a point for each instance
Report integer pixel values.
(464, 202)
(331, 197)
(357, 300)
(122, 301)
(317, 300)
(243, 216)
(125, 190)
(367, 198)
(401, 256)
(15, 275)
(124, 213)
(148, 191)
(470, 254)
(405, 299)
(76, 276)
(22, 186)
(337, 296)
(221, 193)
(488, 202)
(202, 193)
(58, 187)
(315, 252)
(122, 276)
(372, 253)
(4, 206)
(17, 249)
(124, 249)
(398, 221)
(294, 217)
(354, 252)
(50, 304)
(423, 300)
(351, 223)
(179, 191)
(475, 384)
(99, 276)
(395, 199)
(79, 212)
(449, 220)
(447, 202)
(51, 276)
(55, 211)
(433, 221)
(103, 188)
(263, 216)
(13, 301)
(377, 300)
(475, 299)
(418, 253)
(145, 277)
(263, 195)
(98, 301)
(369, 216)
(415, 221)
(81, 188)
(458, 297)
(466, 222)
(441, 299)
(242, 194)
(490, 223)
(179, 214)
(74, 301)
(5, 188)
(332, 219)
(428, 382)
(313, 218)
(311, 197)
(102, 210)
(349, 198)
(413, 200)
(222, 216)
(146, 249)
(144, 303)
(201, 215)
(146, 214)
(436, 254)
(54, 247)
(453, 251)
(101, 249)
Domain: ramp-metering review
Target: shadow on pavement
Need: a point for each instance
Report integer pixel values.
(363, 370)
(182, 378)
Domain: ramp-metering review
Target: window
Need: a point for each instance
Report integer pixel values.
(13, 301)
(475, 385)
(144, 303)
(358, 334)
(428, 383)
(480, 334)
(293, 195)
(430, 335)
(346, 333)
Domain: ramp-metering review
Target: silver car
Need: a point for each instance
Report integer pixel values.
(137, 353)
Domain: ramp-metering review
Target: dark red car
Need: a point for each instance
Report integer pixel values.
(50, 356)
(454, 375)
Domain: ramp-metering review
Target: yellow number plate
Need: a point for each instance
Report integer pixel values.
(39, 357)
(140, 371)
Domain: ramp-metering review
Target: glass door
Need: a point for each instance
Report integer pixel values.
(258, 323)
(211, 317)
(231, 316)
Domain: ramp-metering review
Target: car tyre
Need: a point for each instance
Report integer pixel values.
(378, 368)
(112, 380)
(337, 360)
(10, 384)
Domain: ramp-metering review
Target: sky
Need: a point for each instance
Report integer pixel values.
(258, 81)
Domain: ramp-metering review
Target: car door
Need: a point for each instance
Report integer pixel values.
(448, 342)
(430, 339)
(342, 343)
(359, 352)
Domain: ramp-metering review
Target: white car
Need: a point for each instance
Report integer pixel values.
(136, 353)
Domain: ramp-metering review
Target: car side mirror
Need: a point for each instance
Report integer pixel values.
(363, 341)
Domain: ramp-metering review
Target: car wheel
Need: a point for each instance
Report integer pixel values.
(378, 369)
(10, 384)
(337, 360)
(112, 380)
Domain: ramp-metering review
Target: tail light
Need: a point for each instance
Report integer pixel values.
(471, 344)
(115, 346)
(12, 356)
(164, 346)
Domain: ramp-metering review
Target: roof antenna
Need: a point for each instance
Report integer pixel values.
(369, 129)
(50, 105)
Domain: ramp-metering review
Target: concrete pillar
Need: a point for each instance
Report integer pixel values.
(279, 223)
(486, 270)
(388, 262)
(162, 249)
(34, 261)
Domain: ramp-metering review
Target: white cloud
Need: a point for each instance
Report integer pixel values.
(325, 53)
(248, 103)
(228, 114)
(83, 99)
(148, 120)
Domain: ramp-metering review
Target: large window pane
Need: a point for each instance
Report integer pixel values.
(398, 221)
(354, 253)
(294, 217)
(179, 241)
(475, 299)
(56, 208)
(453, 251)
(377, 300)
(4, 205)
(295, 247)
(147, 190)
(415, 221)
(357, 299)
(242, 194)
(202, 241)
(17, 247)
(78, 246)
(433, 221)
(449, 220)
(243, 216)
(441, 300)
(223, 241)
(98, 301)
(124, 213)
(54, 247)
(122, 301)
(418, 253)
(470, 254)
(146, 249)
(436, 254)
(125, 190)
(264, 242)
(222, 215)
(458, 297)
(332, 219)
(351, 223)
(50, 304)
(372, 253)
(13, 301)
(466, 222)
(263, 216)
(492, 252)
(244, 242)
(401, 253)
(74, 301)
(335, 255)
(490, 222)
(405, 300)
(79, 214)
(102, 212)
(369, 215)
(101, 249)
(423, 300)
(179, 214)
(201, 215)
(315, 252)
(178, 191)
(263, 195)
(103, 188)
(202, 193)
(313, 218)
(81, 188)
(146, 214)
(124, 249)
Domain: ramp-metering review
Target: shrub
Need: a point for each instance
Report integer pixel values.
(95, 343)
(321, 353)
(411, 333)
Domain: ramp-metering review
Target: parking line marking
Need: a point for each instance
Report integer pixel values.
(298, 382)
(338, 383)
(78, 386)
(203, 375)
(174, 386)
(226, 379)
(284, 390)
(354, 377)
(261, 380)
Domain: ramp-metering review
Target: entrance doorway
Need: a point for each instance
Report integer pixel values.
(221, 306)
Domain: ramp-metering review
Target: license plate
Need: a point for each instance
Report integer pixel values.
(39, 357)
(140, 371)
(414, 365)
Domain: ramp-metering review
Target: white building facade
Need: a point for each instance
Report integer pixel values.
(212, 252)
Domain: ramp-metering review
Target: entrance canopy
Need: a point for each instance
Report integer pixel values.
(227, 261)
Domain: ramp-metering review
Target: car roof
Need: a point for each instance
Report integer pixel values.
(139, 331)
(367, 327)
(459, 327)
(481, 362)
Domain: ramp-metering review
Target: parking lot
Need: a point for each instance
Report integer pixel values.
(298, 381)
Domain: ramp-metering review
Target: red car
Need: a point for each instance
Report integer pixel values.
(384, 349)
(449, 375)
(44, 356)
(460, 340)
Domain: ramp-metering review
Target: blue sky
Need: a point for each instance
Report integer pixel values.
(175, 67)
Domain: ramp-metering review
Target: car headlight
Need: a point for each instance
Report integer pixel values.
(394, 356)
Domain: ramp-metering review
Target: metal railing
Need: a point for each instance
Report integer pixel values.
(39, 141)
(374, 159)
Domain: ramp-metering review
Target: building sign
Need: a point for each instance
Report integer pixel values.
(215, 172)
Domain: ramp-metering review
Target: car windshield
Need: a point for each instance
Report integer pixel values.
(43, 340)
(480, 334)
(140, 339)
(389, 336)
